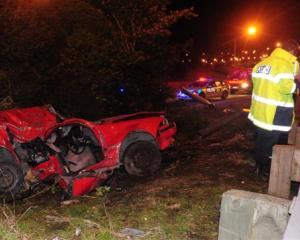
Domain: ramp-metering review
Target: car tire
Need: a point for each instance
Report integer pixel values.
(233, 91)
(142, 158)
(11, 181)
(224, 95)
(202, 95)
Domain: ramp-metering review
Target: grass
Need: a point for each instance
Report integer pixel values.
(159, 214)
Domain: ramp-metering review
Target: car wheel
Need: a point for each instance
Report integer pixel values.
(202, 95)
(142, 158)
(224, 95)
(11, 181)
(233, 91)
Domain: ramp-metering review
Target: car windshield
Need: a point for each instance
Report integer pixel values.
(198, 84)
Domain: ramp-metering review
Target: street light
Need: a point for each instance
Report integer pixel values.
(251, 30)
(278, 44)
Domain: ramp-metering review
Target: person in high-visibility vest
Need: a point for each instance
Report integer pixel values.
(272, 105)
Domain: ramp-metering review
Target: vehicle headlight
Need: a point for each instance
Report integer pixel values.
(245, 85)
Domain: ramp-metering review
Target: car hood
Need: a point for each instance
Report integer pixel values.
(133, 116)
(28, 123)
(193, 89)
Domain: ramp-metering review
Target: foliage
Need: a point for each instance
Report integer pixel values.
(101, 191)
(88, 58)
(190, 122)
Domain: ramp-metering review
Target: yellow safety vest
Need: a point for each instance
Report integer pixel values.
(272, 106)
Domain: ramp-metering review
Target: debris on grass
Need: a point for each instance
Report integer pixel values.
(69, 202)
(77, 231)
(238, 137)
(89, 223)
(132, 233)
(56, 238)
(174, 206)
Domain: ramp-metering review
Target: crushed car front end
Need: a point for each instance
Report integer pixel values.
(77, 154)
(165, 134)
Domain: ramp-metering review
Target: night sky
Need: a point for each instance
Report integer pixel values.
(220, 22)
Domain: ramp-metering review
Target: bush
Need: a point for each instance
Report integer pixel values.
(189, 122)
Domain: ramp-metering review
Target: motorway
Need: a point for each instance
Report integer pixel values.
(233, 99)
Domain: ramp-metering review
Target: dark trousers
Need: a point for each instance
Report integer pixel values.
(264, 142)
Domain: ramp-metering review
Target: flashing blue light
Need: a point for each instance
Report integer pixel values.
(121, 89)
(200, 91)
(181, 95)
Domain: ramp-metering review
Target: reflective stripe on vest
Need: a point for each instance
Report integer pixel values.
(294, 88)
(268, 126)
(272, 102)
(275, 79)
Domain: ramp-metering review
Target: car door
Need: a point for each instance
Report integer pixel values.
(210, 89)
(218, 88)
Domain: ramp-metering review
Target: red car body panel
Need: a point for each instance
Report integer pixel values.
(22, 126)
(28, 124)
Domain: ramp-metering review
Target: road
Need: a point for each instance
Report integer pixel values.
(244, 100)
(234, 99)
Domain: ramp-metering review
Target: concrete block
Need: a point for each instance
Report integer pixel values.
(252, 216)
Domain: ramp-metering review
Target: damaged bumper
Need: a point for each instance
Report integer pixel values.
(165, 135)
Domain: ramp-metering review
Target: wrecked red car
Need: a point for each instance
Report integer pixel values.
(38, 145)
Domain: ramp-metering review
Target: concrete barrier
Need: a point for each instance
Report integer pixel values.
(252, 216)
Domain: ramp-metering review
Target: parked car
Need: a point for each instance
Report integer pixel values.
(207, 88)
(240, 86)
(38, 145)
(239, 80)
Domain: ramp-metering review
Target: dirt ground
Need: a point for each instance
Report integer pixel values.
(182, 201)
(201, 169)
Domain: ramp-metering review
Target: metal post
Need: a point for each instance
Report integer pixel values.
(234, 47)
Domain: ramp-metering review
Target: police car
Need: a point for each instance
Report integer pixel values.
(240, 85)
(239, 80)
(207, 88)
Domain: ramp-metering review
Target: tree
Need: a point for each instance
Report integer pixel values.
(88, 58)
(52, 52)
(141, 31)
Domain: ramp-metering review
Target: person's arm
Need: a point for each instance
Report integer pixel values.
(286, 82)
(287, 85)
